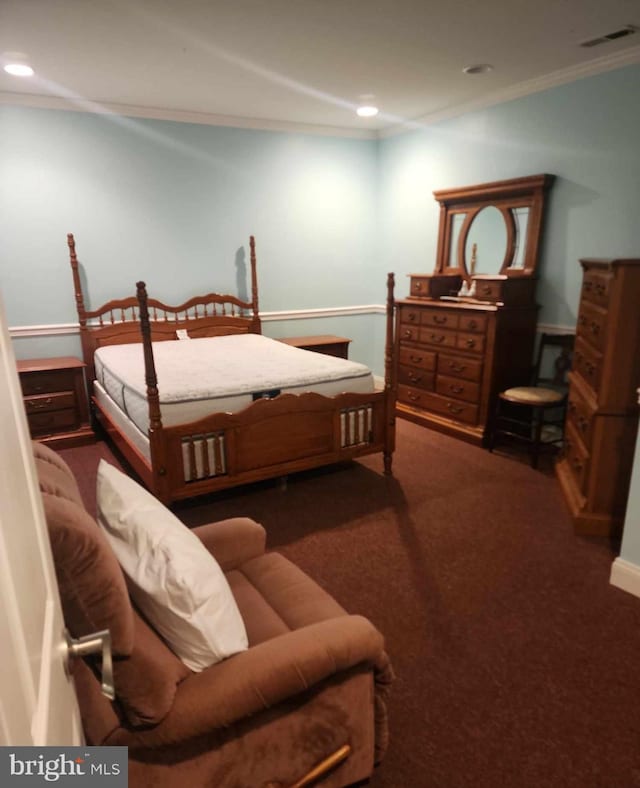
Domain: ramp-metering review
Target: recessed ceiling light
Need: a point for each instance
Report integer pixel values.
(367, 111)
(19, 69)
(481, 68)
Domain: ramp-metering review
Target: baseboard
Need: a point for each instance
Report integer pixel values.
(626, 576)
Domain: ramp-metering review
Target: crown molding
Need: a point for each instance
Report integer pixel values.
(621, 59)
(180, 116)
(600, 65)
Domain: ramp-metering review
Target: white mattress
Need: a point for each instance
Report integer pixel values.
(197, 377)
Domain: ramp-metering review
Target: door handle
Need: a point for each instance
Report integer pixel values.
(96, 643)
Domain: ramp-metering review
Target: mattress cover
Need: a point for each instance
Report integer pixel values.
(197, 377)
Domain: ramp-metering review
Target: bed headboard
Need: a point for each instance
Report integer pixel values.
(118, 321)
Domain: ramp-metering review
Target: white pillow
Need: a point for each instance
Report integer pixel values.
(173, 578)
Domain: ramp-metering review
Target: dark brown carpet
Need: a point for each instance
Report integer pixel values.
(517, 663)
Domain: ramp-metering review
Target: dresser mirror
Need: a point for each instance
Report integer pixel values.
(491, 229)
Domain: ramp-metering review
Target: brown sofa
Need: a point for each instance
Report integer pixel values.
(313, 679)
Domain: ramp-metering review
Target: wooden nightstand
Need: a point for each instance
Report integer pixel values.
(55, 400)
(325, 343)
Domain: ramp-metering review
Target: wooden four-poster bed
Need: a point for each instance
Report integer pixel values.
(185, 449)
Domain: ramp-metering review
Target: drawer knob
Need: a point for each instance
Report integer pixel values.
(473, 324)
(417, 285)
(454, 408)
(470, 343)
(437, 338)
(415, 359)
(486, 290)
(412, 317)
(457, 367)
(440, 319)
(415, 378)
(408, 333)
(456, 389)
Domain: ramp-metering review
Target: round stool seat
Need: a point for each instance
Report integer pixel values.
(532, 395)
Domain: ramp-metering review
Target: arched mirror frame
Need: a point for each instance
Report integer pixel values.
(528, 192)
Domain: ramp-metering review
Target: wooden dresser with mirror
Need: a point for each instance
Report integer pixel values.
(467, 330)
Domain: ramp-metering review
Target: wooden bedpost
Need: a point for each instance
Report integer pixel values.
(156, 445)
(389, 378)
(255, 326)
(87, 352)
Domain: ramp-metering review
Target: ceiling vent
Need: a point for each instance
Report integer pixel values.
(627, 30)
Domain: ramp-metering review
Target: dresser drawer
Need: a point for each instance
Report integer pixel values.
(410, 315)
(414, 376)
(46, 402)
(49, 422)
(459, 367)
(473, 323)
(409, 333)
(596, 286)
(415, 357)
(577, 457)
(47, 381)
(579, 416)
(458, 388)
(438, 318)
(454, 409)
(587, 363)
(437, 337)
(474, 343)
(489, 290)
(592, 325)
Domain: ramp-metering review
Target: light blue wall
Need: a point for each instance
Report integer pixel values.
(174, 204)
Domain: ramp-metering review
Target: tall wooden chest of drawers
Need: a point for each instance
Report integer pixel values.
(454, 357)
(56, 401)
(602, 414)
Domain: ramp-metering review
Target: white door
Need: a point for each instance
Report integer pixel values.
(37, 700)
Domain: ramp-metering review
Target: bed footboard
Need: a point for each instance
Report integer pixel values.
(268, 439)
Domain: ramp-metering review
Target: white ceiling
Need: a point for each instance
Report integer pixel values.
(304, 61)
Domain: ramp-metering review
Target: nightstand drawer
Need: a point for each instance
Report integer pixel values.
(50, 422)
(47, 402)
(42, 382)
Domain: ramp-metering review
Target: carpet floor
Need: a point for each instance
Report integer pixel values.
(517, 663)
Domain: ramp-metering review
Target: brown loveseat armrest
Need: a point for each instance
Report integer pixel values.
(233, 541)
(263, 676)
